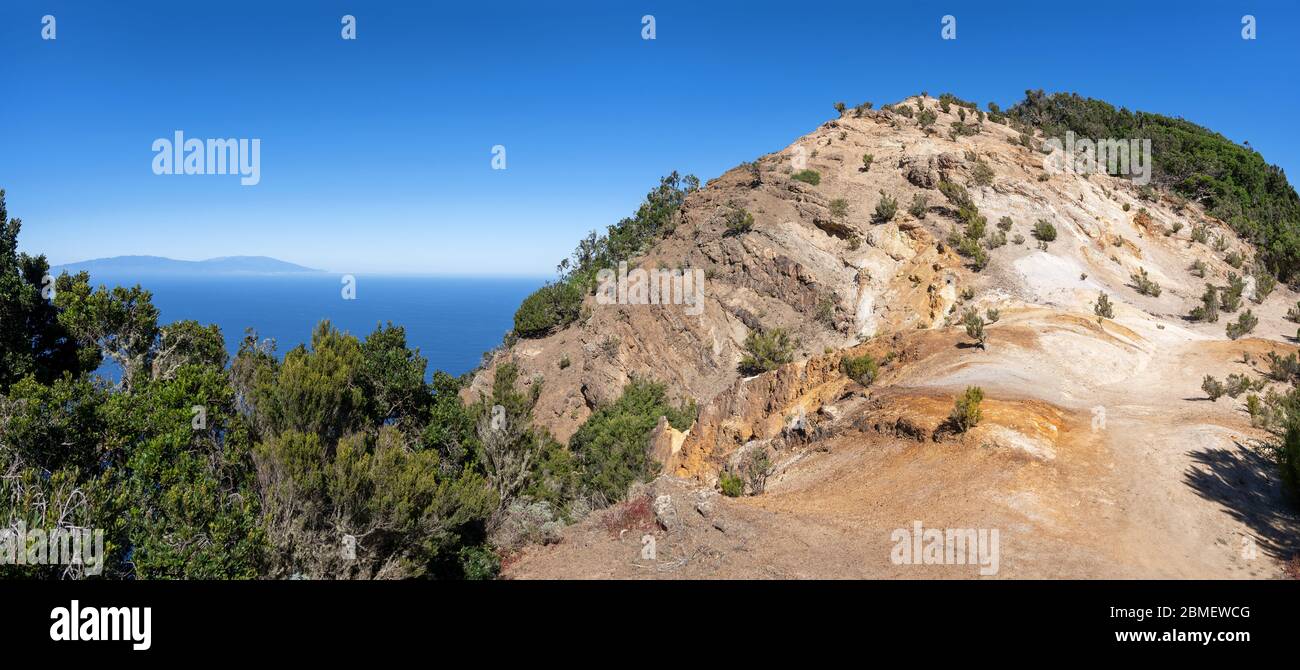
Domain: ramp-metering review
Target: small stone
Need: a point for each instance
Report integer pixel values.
(705, 507)
(665, 513)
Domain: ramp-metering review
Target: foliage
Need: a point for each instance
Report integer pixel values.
(201, 467)
(920, 205)
(886, 208)
(1044, 231)
(766, 350)
(558, 304)
(966, 409)
(1208, 311)
(548, 309)
(33, 341)
(1245, 323)
(611, 445)
(732, 485)
(739, 221)
(808, 177)
(1233, 182)
(1144, 284)
(861, 369)
(974, 326)
(1103, 308)
(1213, 388)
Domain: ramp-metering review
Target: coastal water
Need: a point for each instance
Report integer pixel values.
(452, 321)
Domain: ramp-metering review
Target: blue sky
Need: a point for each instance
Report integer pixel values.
(376, 153)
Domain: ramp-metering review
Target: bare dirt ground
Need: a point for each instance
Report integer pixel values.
(1169, 485)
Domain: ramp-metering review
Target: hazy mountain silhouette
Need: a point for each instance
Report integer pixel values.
(157, 265)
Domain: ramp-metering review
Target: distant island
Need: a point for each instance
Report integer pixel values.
(157, 265)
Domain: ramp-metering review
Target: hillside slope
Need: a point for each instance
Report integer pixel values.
(1098, 455)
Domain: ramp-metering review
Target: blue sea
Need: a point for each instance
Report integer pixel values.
(452, 321)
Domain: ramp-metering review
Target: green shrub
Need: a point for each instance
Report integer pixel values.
(861, 369)
(1289, 453)
(755, 469)
(766, 350)
(1245, 323)
(970, 248)
(1213, 388)
(1230, 298)
(1265, 282)
(1044, 231)
(611, 444)
(630, 237)
(479, 563)
(1005, 223)
(866, 162)
(886, 208)
(808, 176)
(1143, 283)
(1236, 385)
(839, 208)
(1208, 311)
(926, 118)
(1103, 307)
(966, 410)
(548, 309)
(920, 205)
(1283, 369)
(739, 221)
(956, 194)
(826, 312)
(982, 174)
(975, 222)
(732, 485)
(974, 327)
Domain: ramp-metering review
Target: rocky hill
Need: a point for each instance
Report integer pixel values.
(1097, 453)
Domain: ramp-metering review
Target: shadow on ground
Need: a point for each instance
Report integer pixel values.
(1246, 482)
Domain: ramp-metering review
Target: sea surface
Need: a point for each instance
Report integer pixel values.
(452, 321)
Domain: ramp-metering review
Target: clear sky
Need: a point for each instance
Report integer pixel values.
(376, 153)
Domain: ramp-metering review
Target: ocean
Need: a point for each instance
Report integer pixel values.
(452, 321)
